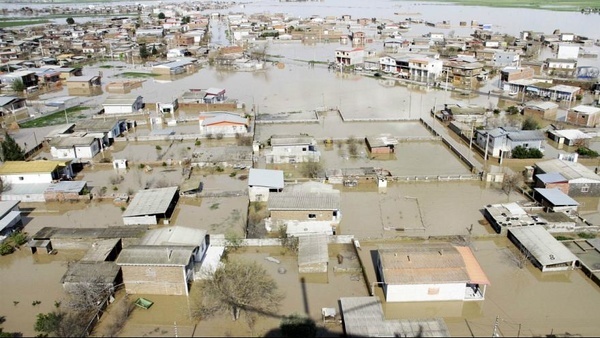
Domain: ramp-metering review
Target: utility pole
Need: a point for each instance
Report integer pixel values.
(496, 333)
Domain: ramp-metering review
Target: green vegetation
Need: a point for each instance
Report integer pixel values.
(137, 75)
(586, 235)
(558, 5)
(70, 21)
(17, 86)
(563, 238)
(9, 23)
(587, 152)
(161, 16)
(55, 118)
(530, 124)
(522, 152)
(11, 151)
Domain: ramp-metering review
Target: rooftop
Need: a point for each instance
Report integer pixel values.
(24, 167)
(304, 201)
(151, 202)
(312, 249)
(174, 236)
(570, 170)
(265, 178)
(543, 246)
(285, 140)
(556, 197)
(100, 250)
(91, 272)
(77, 233)
(67, 187)
(113, 100)
(156, 255)
(583, 109)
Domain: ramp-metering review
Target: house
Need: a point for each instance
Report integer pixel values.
(11, 105)
(104, 275)
(10, 218)
(510, 74)
(34, 172)
(582, 180)
(77, 145)
(105, 131)
(225, 124)
(505, 59)
(292, 149)
(431, 272)
(149, 205)
(381, 144)
(552, 180)
(82, 84)
(561, 67)
(28, 78)
(313, 255)
(349, 56)
(553, 199)
(567, 51)
(500, 142)
(364, 317)
(164, 261)
(542, 249)
(583, 115)
(66, 191)
(568, 137)
(306, 208)
(94, 240)
(263, 181)
(122, 104)
(179, 66)
(543, 110)
(510, 215)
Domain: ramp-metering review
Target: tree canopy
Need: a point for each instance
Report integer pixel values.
(161, 16)
(11, 151)
(70, 21)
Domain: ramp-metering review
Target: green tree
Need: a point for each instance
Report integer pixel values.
(17, 85)
(48, 323)
(161, 16)
(11, 151)
(530, 124)
(296, 325)
(236, 287)
(70, 21)
(144, 54)
(522, 152)
(512, 110)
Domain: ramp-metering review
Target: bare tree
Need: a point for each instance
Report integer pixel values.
(511, 182)
(236, 287)
(520, 259)
(311, 169)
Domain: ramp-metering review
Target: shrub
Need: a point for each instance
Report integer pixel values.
(233, 174)
(197, 143)
(159, 148)
(586, 235)
(6, 249)
(164, 164)
(587, 152)
(220, 169)
(115, 188)
(522, 152)
(219, 136)
(18, 238)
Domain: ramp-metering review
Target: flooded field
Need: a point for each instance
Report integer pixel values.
(527, 301)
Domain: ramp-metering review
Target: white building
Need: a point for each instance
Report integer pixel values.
(567, 51)
(34, 172)
(431, 272)
(225, 124)
(263, 181)
(500, 142)
(542, 249)
(292, 149)
(77, 145)
(349, 56)
(122, 104)
(505, 59)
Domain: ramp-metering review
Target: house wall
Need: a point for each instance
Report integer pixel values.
(582, 119)
(146, 220)
(575, 189)
(295, 228)
(425, 292)
(79, 85)
(564, 187)
(548, 114)
(224, 129)
(302, 215)
(62, 153)
(88, 151)
(27, 178)
(537, 144)
(23, 198)
(258, 194)
(122, 109)
(291, 154)
(155, 280)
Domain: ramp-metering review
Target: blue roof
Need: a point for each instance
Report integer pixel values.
(551, 178)
(556, 197)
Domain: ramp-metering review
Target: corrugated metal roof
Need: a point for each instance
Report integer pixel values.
(285, 140)
(174, 236)
(156, 255)
(570, 170)
(265, 178)
(119, 100)
(551, 178)
(87, 272)
(556, 196)
(304, 201)
(100, 250)
(527, 135)
(24, 167)
(6, 206)
(363, 317)
(151, 202)
(67, 187)
(312, 249)
(542, 245)
(4, 100)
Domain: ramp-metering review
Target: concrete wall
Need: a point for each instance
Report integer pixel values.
(575, 190)
(223, 129)
(301, 215)
(146, 220)
(155, 280)
(27, 178)
(313, 268)
(258, 194)
(425, 292)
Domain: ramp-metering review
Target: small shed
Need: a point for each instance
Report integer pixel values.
(381, 144)
(544, 251)
(149, 205)
(263, 181)
(552, 180)
(65, 191)
(313, 255)
(554, 199)
(106, 274)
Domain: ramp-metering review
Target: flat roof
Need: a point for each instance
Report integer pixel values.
(571, 134)
(71, 141)
(100, 250)
(9, 218)
(312, 249)
(119, 100)
(543, 105)
(430, 264)
(586, 109)
(283, 140)
(570, 170)
(151, 202)
(27, 167)
(174, 236)
(7, 206)
(91, 272)
(156, 255)
(265, 178)
(304, 201)
(77, 233)
(551, 178)
(542, 245)
(381, 141)
(527, 135)
(364, 317)
(556, 197)
(95, 125)
(67, 187)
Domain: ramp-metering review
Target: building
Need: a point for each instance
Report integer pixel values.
(511, 73)
(180, 66)
(66, 191)
(364, 317)
(566, 51)
(82, 84)
(552, 180)
(583, 115)
(500, 142)
(569, 137)
(349, 56)
(505, 59)
(10, 218)
(105, 275)
(582, 180)
(292, 149)
(11, 105)
(542, 110)
(381, 144)
(261, 182)
(78, 145)
(553, 199)
(150, 205)
(122, 104)
(431, 272)
(510, 215)
(178, 236)
(28, 78)
(224, 124)
(32, 172)
(313, 255)
(542, 249)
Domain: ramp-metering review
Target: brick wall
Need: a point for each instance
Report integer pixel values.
(157, 280)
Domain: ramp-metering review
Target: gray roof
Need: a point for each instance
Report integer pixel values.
(265, 178)
(66, 187)
(7, 206)
(87, 272)
(83, 78)
(570, 170)
(363, 317)
(151, 202)
(542, 245)
(71, 141)
(304, 201)
(4, 100)
(312, 249)
(179, 63)
(100, 250)
(527, 135)
(109, 232)
(95, 125)
(174, 236)
(551, 178)
(556, 196)
(119, 100)
(156, 255)
(285, 140)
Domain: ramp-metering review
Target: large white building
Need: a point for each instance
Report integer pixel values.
(122, 104)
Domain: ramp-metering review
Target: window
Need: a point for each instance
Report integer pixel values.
(585, 188)
(312, 216)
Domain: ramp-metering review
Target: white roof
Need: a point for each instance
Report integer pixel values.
(542, 246)
(174, 236)
(572, 134)
(150, 202)
(312, 249)
(586, 109)
(265, 178)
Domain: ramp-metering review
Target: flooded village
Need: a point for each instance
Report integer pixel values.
(287, 168)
